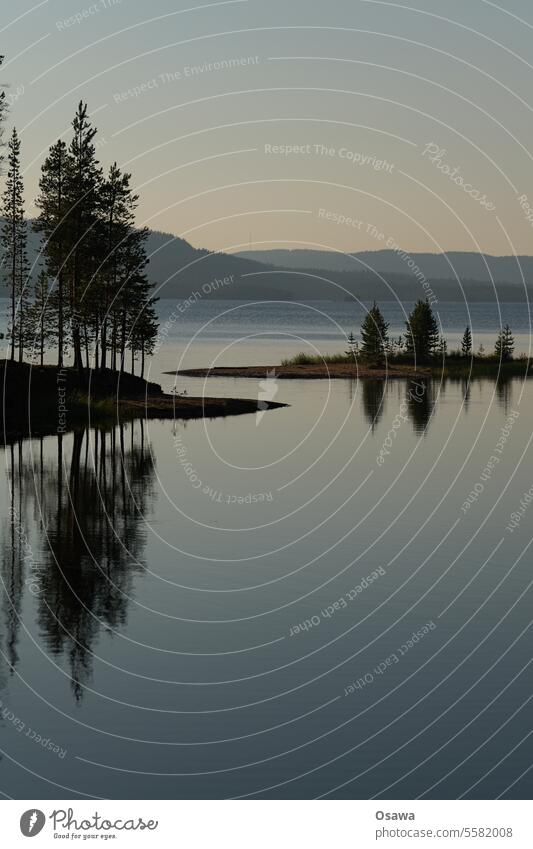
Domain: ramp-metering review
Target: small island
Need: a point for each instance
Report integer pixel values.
(421, 352)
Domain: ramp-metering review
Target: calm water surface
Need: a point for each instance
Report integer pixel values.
(330, 599)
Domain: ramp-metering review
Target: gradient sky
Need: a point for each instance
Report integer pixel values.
(380, 80)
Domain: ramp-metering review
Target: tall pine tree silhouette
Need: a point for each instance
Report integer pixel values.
(83, 186)
(504, 346)
(374, 336)
(52, 223)
(466, 344)
(13, 232)
(422, 332)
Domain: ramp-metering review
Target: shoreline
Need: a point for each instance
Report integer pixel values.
(354, 371)
(45, 401)
(332, 371)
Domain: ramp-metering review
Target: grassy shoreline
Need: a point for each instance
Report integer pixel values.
(334, 367)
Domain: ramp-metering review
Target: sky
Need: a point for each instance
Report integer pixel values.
(348, 125)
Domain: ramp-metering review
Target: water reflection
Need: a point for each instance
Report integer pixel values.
(74, 534)
(504, 392)
(89, 492)
(420, 397)
(373, 397)
(413, 398)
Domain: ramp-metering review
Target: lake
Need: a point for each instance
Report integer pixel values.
(332, 599)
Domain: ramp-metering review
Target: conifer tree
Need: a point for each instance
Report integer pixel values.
(38, 316)
(83, 187)
(23, 288)
(504, 346)
(374, 336)
(42, 317)
(12, 229)
(442, 348)
(123, 269)
(353, 346)
(466, 344)
(422, 333)
(94, 254)
(143, 334)
(52, 223)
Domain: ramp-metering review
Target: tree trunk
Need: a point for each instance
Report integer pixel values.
(21, 327)
(13, 276)
(103, 344)
(86, 340)
(60, 342)
(123, 341)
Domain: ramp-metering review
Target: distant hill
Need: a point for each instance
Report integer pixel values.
(180, 271)
(185, 269)
(467, 265)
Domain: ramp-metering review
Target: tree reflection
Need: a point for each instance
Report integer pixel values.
(504, 392)
(91, 494)
(373, 394)
(420, 402)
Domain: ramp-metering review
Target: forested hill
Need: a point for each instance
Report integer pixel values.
(466, 264)
(178, 269)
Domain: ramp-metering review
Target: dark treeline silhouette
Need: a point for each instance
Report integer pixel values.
(421, 343)
(90, 295)
(89, 494)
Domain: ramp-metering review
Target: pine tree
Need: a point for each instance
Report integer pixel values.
(466, 344)
(23, 289)
(504, 346)
(122, 271)
(134, 291)
(84, 245)
(94, 255)
(422, 333)
(53, 223)
(442, 348)
(144, 333)
(374, 336)
(13, 215)
(353, 346)
(42, 317)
